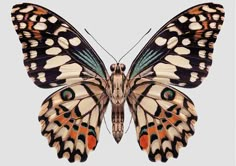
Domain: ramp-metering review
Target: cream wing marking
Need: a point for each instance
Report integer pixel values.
(180, 47)
(51, 44)
(71, 118)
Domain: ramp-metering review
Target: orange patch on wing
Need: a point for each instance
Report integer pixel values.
(173, 119)
(73, 134)
(198, 34)
(83, 130)
(62, 119)
(36, 33)
(162, 134)
(195, 10)
(30, 25)
(205, 24)
(151, 130)
(143, 141)
(40, 11)
(92, 142)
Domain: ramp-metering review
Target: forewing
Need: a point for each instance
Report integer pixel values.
(164, 119)
(71, 117)
(55, 53)
(180, 53)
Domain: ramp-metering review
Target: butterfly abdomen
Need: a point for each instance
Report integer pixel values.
(117, 121)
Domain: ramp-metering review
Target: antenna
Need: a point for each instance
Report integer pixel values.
(134, 45)
(100, 45)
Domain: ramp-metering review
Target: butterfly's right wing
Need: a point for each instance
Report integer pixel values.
(71, 119)
(164, 118)
(180, 53)
(55, 53)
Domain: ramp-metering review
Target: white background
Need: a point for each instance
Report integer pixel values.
(117, 25)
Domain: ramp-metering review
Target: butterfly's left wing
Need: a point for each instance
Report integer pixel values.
(164, 118)
(55, 53)
(180, 53)
(71, 117)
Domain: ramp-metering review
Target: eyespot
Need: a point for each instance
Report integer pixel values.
(112, 67)
(168, 94)
(67, 94)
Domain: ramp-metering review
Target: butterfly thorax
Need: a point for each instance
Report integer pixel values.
(117, 96)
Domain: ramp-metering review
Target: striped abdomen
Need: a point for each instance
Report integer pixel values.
(117, 121)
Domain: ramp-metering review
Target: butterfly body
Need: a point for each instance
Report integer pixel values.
(118, 96)
(56, 54)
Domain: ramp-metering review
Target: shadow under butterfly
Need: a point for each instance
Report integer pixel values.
(56, 54)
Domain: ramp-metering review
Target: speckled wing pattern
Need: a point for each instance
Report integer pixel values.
(56, 54)
(179, 54)
(71, 119)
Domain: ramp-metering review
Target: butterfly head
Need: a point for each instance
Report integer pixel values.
(117, 68)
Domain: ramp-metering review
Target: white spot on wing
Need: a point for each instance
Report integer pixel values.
(165, 70)
(182, 50)
(33, 54)
(220, 9)
(194, 76)
(172, 42)
(208, 34)
(195, 26)
(22, 25)
(186, 42)
(15, 9)
(49, 42)
(63, 42)
(33, 18)
(56, 61)
(202, 65)
(75, 41)
(202, 18)
(202, 42)
(193, 19)
(53, 51)
(41, 77)
(202, 53)
(216, 17)
(19, 17)
(178, 61)
(33, 43)
(208, 9)
(213, 25)
(27, 34)
(183, 19)
(60, 29)
(160, 41)
(27, 9)
(40, 26)
(69, 69)
(175, 29)
(52, 19)
(33, 66)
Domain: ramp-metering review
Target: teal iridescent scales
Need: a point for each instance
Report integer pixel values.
(180, 53)
(56, 54)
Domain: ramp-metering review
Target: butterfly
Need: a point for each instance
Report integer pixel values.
(56, 54)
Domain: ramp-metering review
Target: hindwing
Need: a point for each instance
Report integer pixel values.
(71, 117)
(164, 118)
